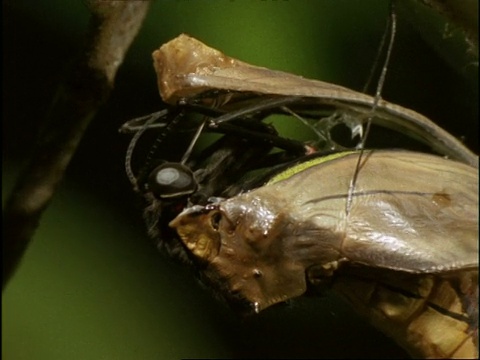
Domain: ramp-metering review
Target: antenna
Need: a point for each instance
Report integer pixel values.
(149, 120)
(390, 27)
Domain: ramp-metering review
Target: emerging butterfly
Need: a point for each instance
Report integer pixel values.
(401, 245)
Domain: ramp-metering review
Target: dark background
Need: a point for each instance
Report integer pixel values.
(92, 285)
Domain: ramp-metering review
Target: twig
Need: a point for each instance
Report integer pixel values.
(113, 26)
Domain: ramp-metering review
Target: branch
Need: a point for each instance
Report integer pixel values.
(113, 26)
(463, 14)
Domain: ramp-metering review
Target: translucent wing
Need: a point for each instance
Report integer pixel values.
(186, 68)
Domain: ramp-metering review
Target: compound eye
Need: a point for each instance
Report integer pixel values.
(171, 180)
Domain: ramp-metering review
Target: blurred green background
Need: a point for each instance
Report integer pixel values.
(92, 285)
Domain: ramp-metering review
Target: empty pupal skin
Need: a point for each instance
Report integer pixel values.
(187, 68)
(265, 240)
(258, 258)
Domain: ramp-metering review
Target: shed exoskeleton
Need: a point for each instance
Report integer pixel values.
(406, 256)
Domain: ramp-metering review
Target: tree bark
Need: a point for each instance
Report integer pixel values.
(112, 28)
